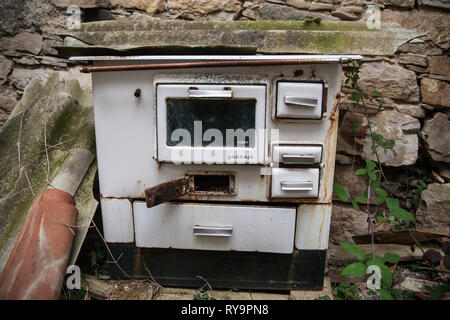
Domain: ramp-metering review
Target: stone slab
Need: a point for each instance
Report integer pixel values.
(146, 36)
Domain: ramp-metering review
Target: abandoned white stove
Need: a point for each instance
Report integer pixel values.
(218, 168)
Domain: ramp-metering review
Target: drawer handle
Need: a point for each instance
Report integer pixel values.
(196, 93)
(212, 231)
(301, 101)
(296, 185)
(298, 158)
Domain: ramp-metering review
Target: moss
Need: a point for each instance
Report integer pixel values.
(158, 36)
(257, 41)
(293, 25)
(173, 25)
(69, 125)
(337, 42)
(85, 191)
(58, 157)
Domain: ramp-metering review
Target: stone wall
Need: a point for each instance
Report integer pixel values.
(414, 82)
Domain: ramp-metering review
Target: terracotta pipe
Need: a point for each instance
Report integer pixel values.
(37, 264)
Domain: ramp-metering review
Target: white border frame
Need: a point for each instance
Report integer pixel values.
(222, 155)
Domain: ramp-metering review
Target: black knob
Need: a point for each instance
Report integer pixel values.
(137, 93)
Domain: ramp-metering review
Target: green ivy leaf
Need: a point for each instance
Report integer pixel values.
(385, 294)
(368, 256)
(355, 97)
(375, 184)
(375, 94)
(392, 203)
(361, 199)
(355, 205)
(360, 171)
(401, 214)
(370, 164)
(380, 200)
(355, 126)
(354, 269)
(341, 192)
(437, 291)
(389, 144)
(391, 257)
(372, 175)
(353, 250)
(381, 192)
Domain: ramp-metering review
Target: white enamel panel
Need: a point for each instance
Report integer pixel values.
(299, 100)
(295, 183)
(297, 154)
(313, 226)
(240, 228)
(125, 128)
(117, 216)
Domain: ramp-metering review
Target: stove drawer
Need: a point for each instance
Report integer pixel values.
(297, 155)
(295, 183)
(299, 100)
(215, 227)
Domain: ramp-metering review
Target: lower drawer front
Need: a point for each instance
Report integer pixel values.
(215, 227)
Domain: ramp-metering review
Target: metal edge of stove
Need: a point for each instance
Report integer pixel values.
(312, 58)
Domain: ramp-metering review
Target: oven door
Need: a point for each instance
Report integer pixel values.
(211, 124)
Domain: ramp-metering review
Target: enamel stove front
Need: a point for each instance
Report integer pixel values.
(255, 211)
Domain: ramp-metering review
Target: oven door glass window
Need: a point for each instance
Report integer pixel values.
(211, 123)
(226, 122)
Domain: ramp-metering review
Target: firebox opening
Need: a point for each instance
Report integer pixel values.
(213, 184)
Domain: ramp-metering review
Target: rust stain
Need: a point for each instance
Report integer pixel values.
(324, 210)
(127, 197)
(251, 200)
(330, 150)
(139, 260)
(334, 112)
(166, 191)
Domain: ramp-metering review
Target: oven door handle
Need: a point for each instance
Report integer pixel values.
(296, 185)
(225, 231)
(200, 93)
(289, 158)
(301, 101)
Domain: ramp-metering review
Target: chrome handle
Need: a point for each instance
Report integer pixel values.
(212, 231)
(196, 93)
(301, 101)
(298, 158)
(296, 185)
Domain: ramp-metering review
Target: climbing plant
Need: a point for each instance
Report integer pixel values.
(393, 213)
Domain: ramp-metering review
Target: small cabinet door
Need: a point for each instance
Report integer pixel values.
(297, 155)
(299, 100)
(295, 183)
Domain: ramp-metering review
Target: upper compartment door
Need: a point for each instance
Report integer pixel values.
(299, 100)
(211, 124)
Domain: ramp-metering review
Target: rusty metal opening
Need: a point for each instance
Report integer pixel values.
(213, 184)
